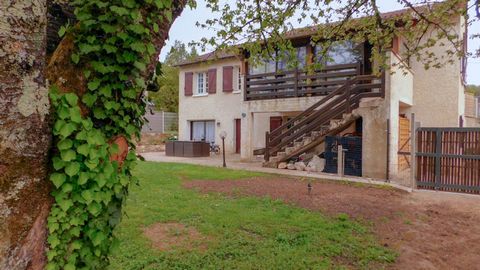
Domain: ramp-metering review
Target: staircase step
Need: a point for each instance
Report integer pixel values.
(298, 144)
(307, 140)
(281, 155)
(290, 149)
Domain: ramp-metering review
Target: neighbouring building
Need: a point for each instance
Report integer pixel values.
(472, 110)
(279, 113)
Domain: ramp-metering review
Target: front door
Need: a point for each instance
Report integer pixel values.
(275, 122)
(238, 132)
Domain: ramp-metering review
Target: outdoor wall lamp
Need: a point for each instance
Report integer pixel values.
(223, 135)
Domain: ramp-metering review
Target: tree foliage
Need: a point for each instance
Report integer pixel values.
(474, 89)
(166, 98)
(264, 27)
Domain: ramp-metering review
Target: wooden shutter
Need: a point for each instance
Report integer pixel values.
(212, 81)
(228, 79)
(396, 44)
(189, 84)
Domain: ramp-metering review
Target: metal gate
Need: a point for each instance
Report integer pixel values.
(448, 159)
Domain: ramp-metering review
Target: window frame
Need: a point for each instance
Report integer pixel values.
(204, 75)
(238, 81)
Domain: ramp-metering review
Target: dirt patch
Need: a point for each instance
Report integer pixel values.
(168, 236)
(428, 230)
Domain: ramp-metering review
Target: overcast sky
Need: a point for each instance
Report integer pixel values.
(184, 29)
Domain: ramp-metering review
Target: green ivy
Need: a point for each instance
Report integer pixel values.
(113, 40)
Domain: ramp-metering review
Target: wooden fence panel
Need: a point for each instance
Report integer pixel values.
(448, 159)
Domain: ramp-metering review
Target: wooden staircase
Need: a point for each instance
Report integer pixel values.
(328, 116)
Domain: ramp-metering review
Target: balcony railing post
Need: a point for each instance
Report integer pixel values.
(266, 156)
(348, 93)
(296, 82)
(383, 84)
(245, 86)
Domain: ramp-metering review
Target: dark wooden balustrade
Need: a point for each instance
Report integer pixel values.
(299, 83)
(343, 100)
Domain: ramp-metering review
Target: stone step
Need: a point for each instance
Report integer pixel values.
(289, 149)
(299, 143)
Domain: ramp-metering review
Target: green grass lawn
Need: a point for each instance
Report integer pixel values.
(240, 233)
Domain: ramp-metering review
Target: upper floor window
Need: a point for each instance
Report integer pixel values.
(237, 79)
(202, 83)
(338, 53)
(281, 63)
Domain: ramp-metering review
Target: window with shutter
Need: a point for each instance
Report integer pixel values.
(228, 79)
(212, 81)
(188, 89)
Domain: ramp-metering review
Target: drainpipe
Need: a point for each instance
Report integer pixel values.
(388, 150)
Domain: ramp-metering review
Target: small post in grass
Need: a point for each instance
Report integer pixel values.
(223, 135)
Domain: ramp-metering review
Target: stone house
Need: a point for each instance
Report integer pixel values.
(268, 110)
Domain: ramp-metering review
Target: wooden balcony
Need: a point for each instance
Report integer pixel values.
(299, 83)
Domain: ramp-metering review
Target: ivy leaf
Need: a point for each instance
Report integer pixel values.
(141, 66)
(68, 155)
(87, 195)
(67, 129)
(83, 149)
(72, 168)
(62, 112)
(150, 49)
(108, 28)
(69, 266)
(75, 58)
(155, 27)
(98, 238)
(83, 178)
(91, 164)
(58, 179)
(64, 144)
(93, 85)
(65, 204)
(128, 3)
(137, 28)
(87, 73)
(57, 163)
(71, 98)
(53, 240)
(67, 188)
(75, 115)
(138, 47)
(94, 208)
(77, 244)
(62, 31)
(119, 10)
(89, 99)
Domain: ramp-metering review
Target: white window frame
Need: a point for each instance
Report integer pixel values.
(204, 84)
(237, 80)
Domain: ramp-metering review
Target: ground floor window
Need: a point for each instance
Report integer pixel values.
(202, 131)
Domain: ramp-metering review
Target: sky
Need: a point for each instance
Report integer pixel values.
(184, 29)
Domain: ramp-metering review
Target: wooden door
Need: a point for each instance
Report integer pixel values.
(403, 143)
(238, 135)
(275, 122)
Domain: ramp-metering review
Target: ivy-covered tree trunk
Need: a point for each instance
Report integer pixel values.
(24, 135)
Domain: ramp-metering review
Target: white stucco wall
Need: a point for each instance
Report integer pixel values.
(222, 107)
(400, 95)
(438, 92)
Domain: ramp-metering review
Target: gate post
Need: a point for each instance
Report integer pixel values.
(413, 150)
(438, 155)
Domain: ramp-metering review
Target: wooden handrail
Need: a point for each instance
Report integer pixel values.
(342, 100)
